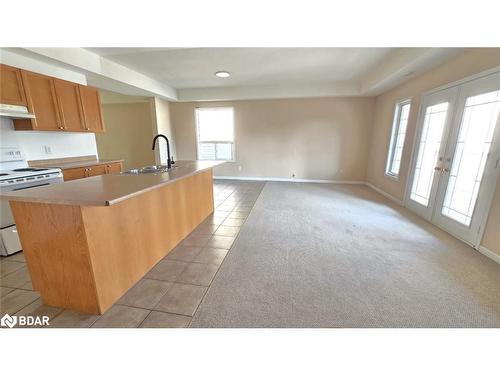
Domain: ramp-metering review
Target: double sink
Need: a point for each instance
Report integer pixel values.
(150, 169)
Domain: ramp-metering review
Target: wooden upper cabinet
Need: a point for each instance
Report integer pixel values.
(70, 105)
(41, 99)
(91, 102)
(58, 105)
(11, 86)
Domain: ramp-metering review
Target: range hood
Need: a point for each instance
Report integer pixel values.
(15, 111)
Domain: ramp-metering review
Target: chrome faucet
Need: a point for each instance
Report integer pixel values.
(170, 160)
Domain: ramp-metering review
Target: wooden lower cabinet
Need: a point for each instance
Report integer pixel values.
(114, 168)
(94, 170)
(74, 174)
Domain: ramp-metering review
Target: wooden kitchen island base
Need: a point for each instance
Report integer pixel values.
(85, 257)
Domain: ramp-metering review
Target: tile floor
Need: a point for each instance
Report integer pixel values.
(169, 294)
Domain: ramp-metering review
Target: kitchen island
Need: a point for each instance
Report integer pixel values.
(87, 241)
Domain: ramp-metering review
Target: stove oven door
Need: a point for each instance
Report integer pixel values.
(9, 240)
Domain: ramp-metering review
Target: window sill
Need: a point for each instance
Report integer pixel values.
(391, 176)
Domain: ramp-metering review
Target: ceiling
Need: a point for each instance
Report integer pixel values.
(187, 74)
(195, 67)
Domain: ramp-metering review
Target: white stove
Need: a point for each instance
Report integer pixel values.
(15, 174)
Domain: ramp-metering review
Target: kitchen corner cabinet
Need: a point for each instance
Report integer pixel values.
(94, 170)
(11, 86)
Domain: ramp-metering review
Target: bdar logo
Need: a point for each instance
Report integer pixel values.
(8, 321)
(22, 321)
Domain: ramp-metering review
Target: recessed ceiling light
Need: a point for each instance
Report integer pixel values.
(222, 74)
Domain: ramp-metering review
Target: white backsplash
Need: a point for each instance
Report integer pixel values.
(35, 144)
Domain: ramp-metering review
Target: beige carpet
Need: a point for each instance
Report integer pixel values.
(320, 255)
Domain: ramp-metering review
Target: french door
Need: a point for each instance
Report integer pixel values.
(457, 150)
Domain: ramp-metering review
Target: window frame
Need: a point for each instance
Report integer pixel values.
(197, 129)
(396, 123)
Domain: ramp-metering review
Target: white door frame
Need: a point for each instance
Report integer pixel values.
(490, 173)
(488, 196)
(446, 95)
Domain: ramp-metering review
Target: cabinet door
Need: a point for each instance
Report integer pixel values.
(96, 170)
(11, 86)
(91, 102)
(41, 98)
(74, 173)
(114, 168)
(70, 105)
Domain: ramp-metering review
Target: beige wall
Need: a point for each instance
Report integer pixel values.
(469, 63)
(160, 113)
(128, 136)
(321, 138)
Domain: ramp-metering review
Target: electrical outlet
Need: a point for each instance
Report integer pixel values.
(47, 149)
(239, 168)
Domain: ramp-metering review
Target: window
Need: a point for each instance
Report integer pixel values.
(215, 133)
(397, 138)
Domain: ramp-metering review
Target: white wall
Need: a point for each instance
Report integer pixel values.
(33, 142)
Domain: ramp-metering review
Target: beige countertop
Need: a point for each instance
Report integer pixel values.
(75, 164)
(107, 189)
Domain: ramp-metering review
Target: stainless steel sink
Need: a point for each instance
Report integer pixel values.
(150, 169)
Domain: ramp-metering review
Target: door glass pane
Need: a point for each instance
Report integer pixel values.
(474, 140)
(428, 149)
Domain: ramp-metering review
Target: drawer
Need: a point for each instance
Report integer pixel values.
(74, 173)
(96, 170)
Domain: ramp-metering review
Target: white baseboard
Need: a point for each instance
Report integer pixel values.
(279, 179)
(490, 254)
(387, 195)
